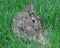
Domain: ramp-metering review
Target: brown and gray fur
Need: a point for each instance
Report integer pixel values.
(25, 27)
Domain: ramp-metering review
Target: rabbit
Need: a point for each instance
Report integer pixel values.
(27, 24)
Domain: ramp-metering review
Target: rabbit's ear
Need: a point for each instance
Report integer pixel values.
(30, 9)
(31, 6)
(27, 9)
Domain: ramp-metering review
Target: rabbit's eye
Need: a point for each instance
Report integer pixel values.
(33, 20)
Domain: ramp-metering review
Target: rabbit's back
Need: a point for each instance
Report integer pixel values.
(21, 15)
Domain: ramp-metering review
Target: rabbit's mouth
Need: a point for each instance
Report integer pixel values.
(35, 27)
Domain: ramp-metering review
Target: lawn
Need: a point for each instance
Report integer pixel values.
(47, 10)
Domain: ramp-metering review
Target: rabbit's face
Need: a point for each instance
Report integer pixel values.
(34, 21)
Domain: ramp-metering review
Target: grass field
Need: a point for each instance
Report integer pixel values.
(49, 12)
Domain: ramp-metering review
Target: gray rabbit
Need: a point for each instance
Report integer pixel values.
(27, 24)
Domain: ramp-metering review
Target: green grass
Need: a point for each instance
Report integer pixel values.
(49, 12)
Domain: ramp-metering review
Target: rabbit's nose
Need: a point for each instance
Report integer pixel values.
(36, 23)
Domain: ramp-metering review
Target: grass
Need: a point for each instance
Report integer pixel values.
(49, 12)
